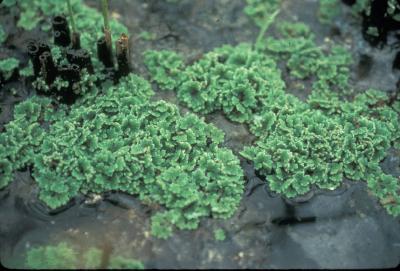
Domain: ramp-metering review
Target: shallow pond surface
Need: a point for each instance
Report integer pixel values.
(345, 228)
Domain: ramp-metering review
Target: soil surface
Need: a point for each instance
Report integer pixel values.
(345, 228)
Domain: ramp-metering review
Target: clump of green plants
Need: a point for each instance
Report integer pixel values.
(260, 10)
(328, 10)
(3, 34)
(64, 256)
(119, 140)
(7, 67)
(219, 234)
(146, 35)
(234, 80)
(295, 46)
(165, 67)
(300, 145)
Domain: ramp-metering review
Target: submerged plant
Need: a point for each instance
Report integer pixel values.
(7, 67)
(64, 256)
(3, 35)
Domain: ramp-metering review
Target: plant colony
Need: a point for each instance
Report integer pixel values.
(300, 145)
(64, 256)
(115, 138)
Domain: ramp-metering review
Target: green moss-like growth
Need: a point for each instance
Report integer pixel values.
(64, 256)
(219, 235)
(232, 79)
(302, 145)
(304, 59)
(60, 256)
(119, 262)
(119, 140)
(165, 67)
(149, 36)
(260, 10)
(8, 66)
(328, 10)
(3, 35)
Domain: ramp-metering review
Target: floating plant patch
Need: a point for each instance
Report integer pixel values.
(65, 256)
(120, 141)
(232, 79)
(300, 145)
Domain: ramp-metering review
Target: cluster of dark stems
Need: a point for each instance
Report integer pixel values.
(78, 58)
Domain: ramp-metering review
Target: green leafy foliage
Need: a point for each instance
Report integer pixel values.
(302, 145)
(328, 10)
(65, 256)
(118, 140)
(304, 59)
(145, 35)
(219, 235)
(3, 35)
(232, 79)
(260, 10)
(7, 67)
(27, 71)
(60, 256)
(119, 262)
(8, 3)
(165, 67)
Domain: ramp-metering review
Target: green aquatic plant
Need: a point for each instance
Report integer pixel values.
(328, 10)
(8, 66)
(27, 70)
(304, 59)
(60, 256)
(145, 35)
(65, 256)
(119, 262)
(3, 35)
(165, 67)
(260, 10)
(302, 145)
(232, 79)
(8, 3)
(119, 140)
(219, 235)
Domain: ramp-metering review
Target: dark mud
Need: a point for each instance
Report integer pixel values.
(345, 228)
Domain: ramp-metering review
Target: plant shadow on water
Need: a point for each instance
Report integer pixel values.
(345, 228)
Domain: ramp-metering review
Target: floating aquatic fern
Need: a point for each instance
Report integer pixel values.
(65, 256)
(232, 79)
(119, 140)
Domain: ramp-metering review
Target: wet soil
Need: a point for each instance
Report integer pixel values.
(345, 228)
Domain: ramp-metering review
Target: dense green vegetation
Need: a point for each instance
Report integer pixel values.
(120, 141)
(300, 145)
(8, 66)
(116, 138)
(64, 256)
